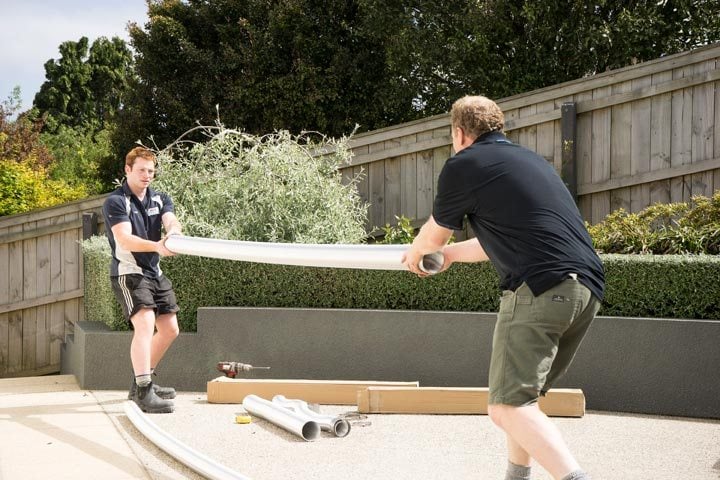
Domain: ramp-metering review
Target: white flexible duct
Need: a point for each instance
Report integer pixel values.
(371, 257)
(199, 462)
(338, 426)
(300, 425)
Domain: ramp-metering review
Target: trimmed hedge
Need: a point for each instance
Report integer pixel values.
(660, 286)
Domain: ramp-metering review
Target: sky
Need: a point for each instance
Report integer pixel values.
(32, 30)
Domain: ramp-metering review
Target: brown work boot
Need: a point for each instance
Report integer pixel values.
(166, 393)
(148, 401)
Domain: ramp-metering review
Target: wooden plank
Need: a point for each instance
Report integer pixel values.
(42, 301)
(393, 190)
(600, 157)
(660, 137)
(408, 185)
(673, 173)
(403, 129)
(528, 134)
(680, 146)
(583, 144)
(72, 268)
(57, 309)
(640, 145)
(4, 299)
(716, 135)
(86, 204)
(424, 183)
(40, 231)
(620, 149)
(701, 140)
(15, 293)
(545, 137)
(363, 188)
(376, 155)
(325, 392)
(29, 316)
(458, 401)
(42, 334)
(376, 177)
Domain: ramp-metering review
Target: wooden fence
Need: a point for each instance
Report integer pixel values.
(628, 138)
(643, 134)
(41, 286)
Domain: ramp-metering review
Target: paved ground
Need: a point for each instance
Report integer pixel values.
(59, 431)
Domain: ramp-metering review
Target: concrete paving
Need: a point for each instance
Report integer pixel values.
(49, 428)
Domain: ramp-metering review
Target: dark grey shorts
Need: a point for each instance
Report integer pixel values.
(536, 339)
(135, 291)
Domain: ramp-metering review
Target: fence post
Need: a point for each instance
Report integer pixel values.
(568, 128)
(89, 224)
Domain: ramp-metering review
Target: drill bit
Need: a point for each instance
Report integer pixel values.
(232, 369)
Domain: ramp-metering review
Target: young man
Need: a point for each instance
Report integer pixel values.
(134, 217)
(527, 224)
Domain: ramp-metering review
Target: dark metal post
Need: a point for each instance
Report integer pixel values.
(568, 124)
(89, 224)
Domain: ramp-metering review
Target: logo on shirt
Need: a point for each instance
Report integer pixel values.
(153, 211)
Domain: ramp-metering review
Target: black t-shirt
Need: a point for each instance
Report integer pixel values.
(522, 214)
(145, 217)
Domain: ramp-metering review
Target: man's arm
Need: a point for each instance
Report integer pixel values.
(171, 224)
(132, 243)
(431, 238)
(468, 251)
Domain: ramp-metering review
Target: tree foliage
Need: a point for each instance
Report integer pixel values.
(86, 85)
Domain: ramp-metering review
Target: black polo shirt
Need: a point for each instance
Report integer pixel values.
(521, 212)
(145, 217)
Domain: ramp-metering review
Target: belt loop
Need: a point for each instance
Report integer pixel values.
(573, 276)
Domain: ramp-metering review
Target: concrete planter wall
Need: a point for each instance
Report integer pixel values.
(641, 365)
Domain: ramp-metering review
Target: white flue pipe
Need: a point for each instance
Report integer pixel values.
(329, 423)
(370, 257)
(300, 425)
(199, 462)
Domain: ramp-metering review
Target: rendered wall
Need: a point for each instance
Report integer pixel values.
(652, 366)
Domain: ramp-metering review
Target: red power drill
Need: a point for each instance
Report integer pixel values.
(231, 369)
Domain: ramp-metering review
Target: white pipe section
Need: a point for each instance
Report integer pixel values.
(370, 257)
(197, 461)
(300, 425)
(329, 423)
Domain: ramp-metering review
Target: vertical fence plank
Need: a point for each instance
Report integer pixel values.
(42, 334)
(701, 140)
(601, 127)
(424, 183)
(72, 271)
(4, 299)
(620, 147)
(545, 137)
(528, 135)
(57, 285)
(716, 134)
(640, 145)
(660, 138)
(583, 144)
(29, 321)
(680, 147)
(408, 186)
(15, 318)
(392, 190)
(512, 135)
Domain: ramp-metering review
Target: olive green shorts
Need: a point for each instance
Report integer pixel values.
(536, 339)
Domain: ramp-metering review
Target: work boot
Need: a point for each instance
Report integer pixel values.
(166, 393)
(148, 401)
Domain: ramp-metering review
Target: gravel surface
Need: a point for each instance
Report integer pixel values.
(411, 447)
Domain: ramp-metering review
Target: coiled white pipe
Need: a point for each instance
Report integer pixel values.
(370, 257)
(289, 420)
(197, 461)
(329, 423)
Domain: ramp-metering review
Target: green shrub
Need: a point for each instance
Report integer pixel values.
(660, 286)
(99, 301)
(674, 228)
(24, 188)
(273, 188)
